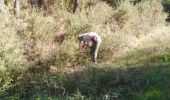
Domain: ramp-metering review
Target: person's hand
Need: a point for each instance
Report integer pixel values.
(81, 44)
(84, 47)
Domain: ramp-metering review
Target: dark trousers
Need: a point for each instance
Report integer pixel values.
(94, 51)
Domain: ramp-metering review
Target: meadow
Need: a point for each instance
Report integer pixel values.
(40, 57)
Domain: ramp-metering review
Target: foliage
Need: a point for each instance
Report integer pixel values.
(40, 56)
(106, 82)
(12, 60)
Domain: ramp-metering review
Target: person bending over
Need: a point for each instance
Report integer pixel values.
(93, 40)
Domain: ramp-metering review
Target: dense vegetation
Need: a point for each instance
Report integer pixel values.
(40, 58)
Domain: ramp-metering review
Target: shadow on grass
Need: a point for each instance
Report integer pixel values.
(168, 19)
(167, 10)
(149, 81)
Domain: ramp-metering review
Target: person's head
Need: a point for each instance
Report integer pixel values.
(80, 37)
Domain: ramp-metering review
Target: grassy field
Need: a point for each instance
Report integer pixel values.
(40, 58)
(148, 80)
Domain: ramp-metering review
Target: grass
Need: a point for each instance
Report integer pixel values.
(147, 81)
(39, 56)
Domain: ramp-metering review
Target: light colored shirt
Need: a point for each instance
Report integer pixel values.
(87, 37)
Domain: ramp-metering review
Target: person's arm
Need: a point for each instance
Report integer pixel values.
(94, 38)
(81, 44)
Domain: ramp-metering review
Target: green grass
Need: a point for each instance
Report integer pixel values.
(145, 82)
(134, 61)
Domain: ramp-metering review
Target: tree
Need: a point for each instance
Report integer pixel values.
(40, 3)
(136, 2)
(17, 8)
(1, 5)
(76, 5)
(36, 3)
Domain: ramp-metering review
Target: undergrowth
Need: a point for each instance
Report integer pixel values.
(40, 57)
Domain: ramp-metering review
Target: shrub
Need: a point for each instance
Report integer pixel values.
(67, 53)
(12, 60)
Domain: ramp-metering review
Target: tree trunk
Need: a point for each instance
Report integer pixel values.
(76, 5)
(1, 5)
(17, 8)
(40, 3)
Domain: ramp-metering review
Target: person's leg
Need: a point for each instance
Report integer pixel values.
(94, 51)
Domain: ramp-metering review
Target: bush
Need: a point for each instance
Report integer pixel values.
(12, 60)
(67, 53)
(114, 3)
(129, 25)
(50, 40)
